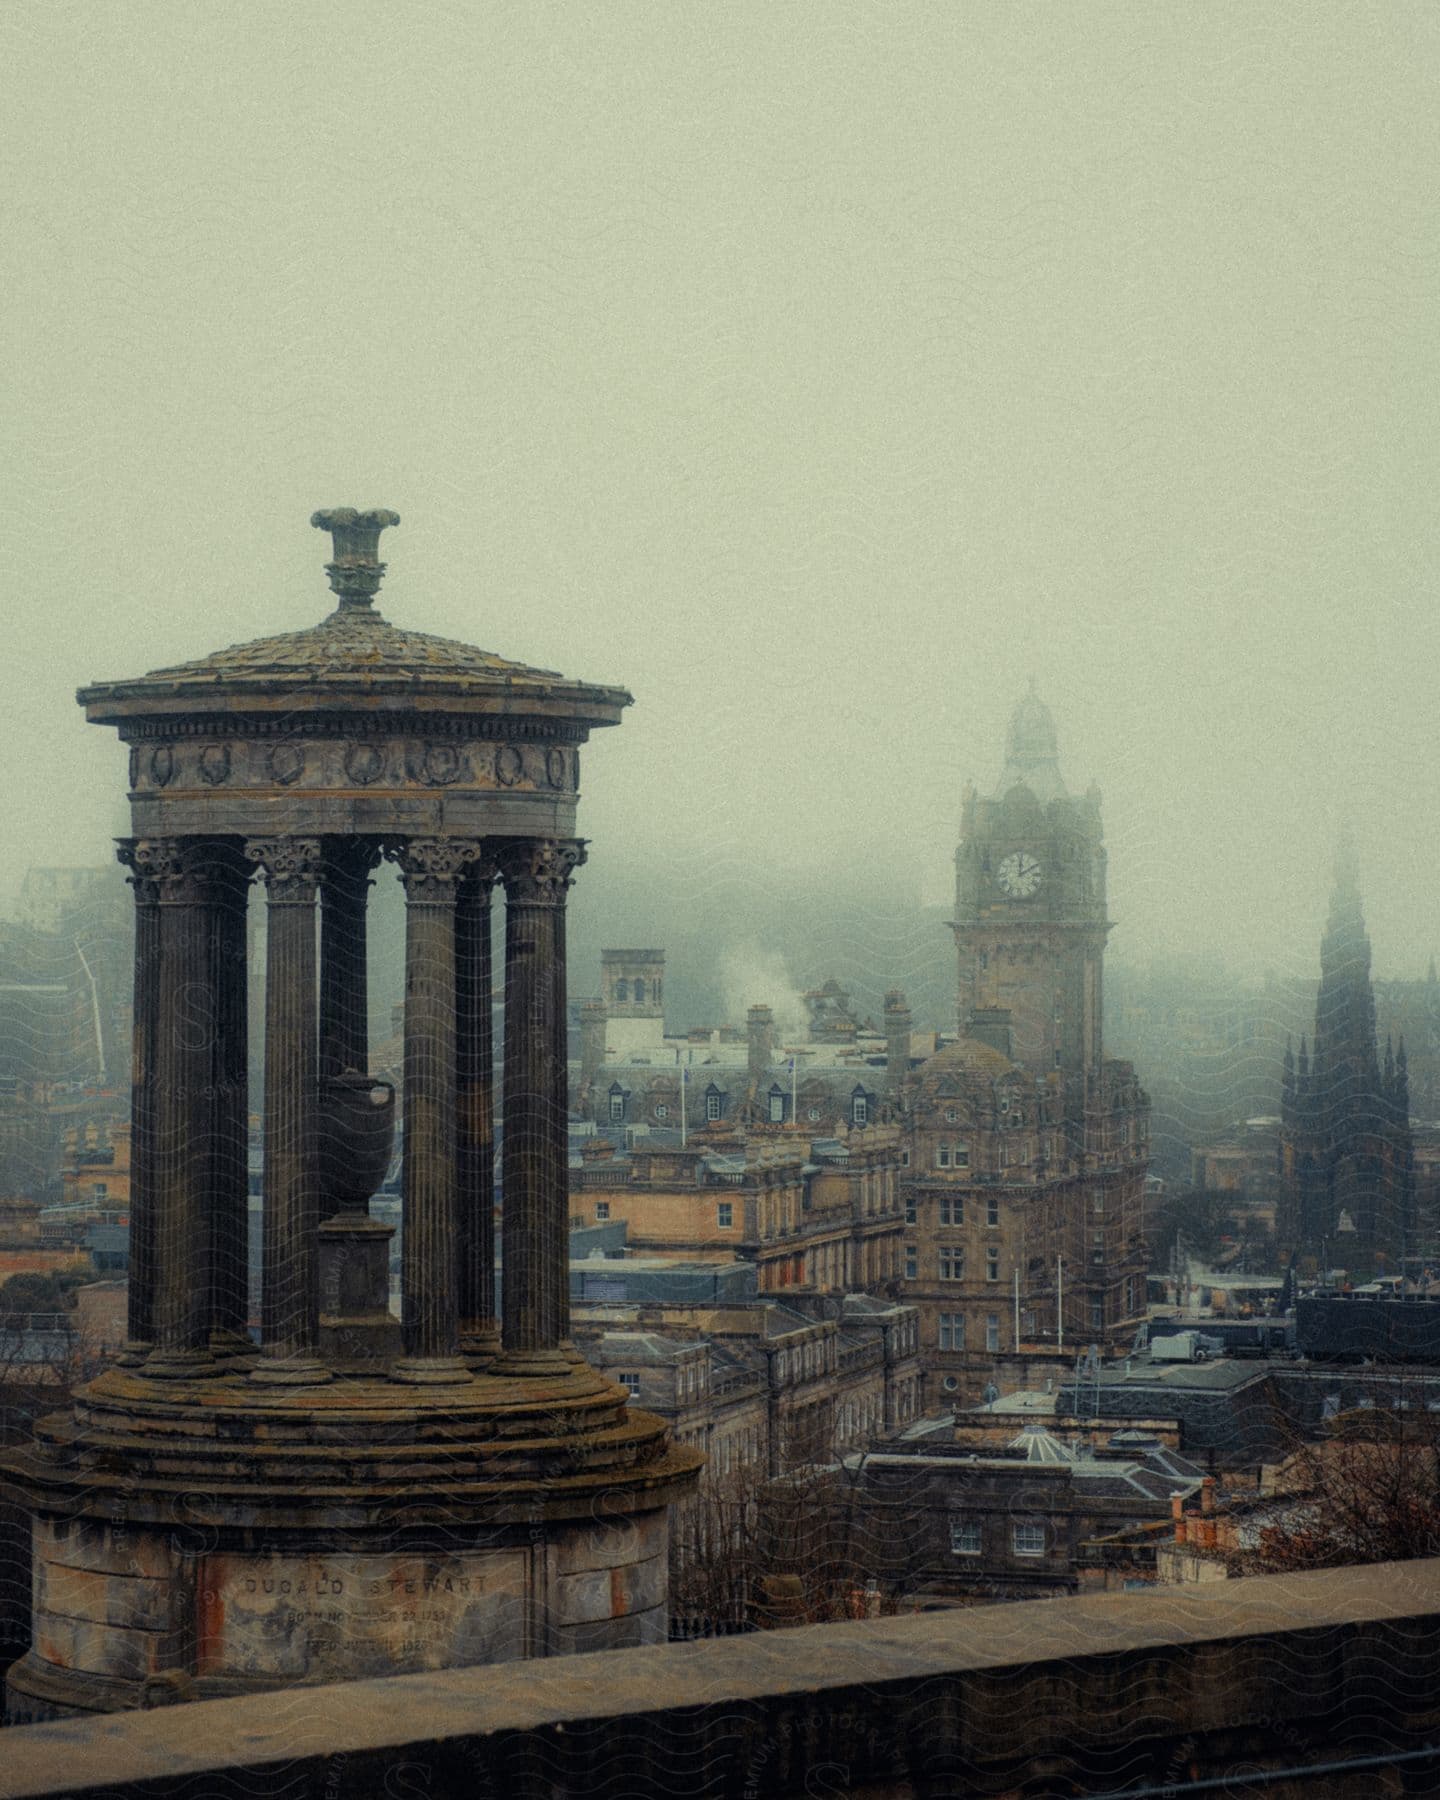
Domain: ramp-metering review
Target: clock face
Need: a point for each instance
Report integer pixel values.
(1019, 874)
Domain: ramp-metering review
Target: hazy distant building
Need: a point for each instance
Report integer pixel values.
(1347, 1159)
(1028, 1147)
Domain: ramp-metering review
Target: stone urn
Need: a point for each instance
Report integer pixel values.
(355, 1139)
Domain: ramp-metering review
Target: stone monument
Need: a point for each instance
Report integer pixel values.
(344, 1493)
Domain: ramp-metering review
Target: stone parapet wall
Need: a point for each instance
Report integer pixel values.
(1333, 1673)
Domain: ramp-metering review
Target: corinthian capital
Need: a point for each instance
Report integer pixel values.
(538, 871)
(431, 867)
(289, 866)
(176, 871)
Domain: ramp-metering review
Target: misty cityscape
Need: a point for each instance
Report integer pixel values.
(720, 914)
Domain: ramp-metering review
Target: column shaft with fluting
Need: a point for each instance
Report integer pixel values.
(344, 993)
(182, 1115)
(290, 1279)
(230, 1170)
(140, 1290)
(475, 1113)
(430, 869)
(535, 1154)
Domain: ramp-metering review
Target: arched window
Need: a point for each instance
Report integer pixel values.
(714, 1102)
(859, 1107)
(622, 991)
(639, 991)
(777, 1105)
(617, 1101)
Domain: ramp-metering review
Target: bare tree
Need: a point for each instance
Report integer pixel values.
(1369, 1491)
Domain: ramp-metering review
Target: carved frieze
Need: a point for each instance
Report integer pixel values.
(215, 765)
(286, 763)
(261, 764)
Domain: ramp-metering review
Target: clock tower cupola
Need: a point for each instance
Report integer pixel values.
(1030, 922)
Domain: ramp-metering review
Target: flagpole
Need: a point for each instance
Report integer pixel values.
(683, 1073)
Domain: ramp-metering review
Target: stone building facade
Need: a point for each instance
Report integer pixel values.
(766, 1387)
(822, 1214)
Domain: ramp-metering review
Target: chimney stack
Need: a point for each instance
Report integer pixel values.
(898, 1023)
(760, 1036)
(593, 1014)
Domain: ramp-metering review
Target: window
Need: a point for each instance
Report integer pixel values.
(622, 992)
(964, 1538)
(992, 1210)
(992, 1331)
(725, 1214)
(630, 1381)
(952, 1265)
(952, 1331)
(813, 1113)
(777, 1106)
(942, 1156)
(912, 1263)
(602, 1211)
(714, 1102)
(662, 1111)
(912, 1210)
(1097, 1315)
(992, 1264)
(617, 1102)
(859, 1108)
(639, 991)
(904, 1159)
(951, 1115)
(962, 1156)
(1058, 1059)
(952, 1209)
(1027, 1540)
(1098, 1203)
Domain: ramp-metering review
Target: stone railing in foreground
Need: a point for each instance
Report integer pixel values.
(1313, 1684)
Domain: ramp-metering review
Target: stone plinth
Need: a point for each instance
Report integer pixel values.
(196, 1543)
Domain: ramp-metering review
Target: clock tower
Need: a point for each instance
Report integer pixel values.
(1030, 922)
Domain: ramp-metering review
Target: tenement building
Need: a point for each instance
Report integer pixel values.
(353, 1494)
(1027, 1145)
(1347, 1158)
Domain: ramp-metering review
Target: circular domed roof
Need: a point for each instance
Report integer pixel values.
(966, 1056)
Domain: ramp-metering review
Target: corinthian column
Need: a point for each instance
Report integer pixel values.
(230, 1149)
(475, 1114)
(290, 1282)
(536, 1173)
(430, 869)
(178, 1113)
(344, 1001)
(140, 1289)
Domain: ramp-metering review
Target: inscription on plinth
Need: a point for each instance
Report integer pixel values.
(345, 1617)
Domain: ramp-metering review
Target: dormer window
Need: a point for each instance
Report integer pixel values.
(859, 1107)
(617, 1103)
(777, 1106)
(714, 1102)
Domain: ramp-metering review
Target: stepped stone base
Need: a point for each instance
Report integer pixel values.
(199, 1540)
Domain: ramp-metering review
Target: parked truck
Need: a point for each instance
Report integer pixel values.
(1186, 1346)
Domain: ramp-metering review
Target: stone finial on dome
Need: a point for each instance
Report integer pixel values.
(356, 570)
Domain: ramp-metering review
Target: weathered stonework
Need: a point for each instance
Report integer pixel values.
(353, 1495)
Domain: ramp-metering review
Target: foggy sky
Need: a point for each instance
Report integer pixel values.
(820, 372)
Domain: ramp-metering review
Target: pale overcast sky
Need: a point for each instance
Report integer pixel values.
(819, 371)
